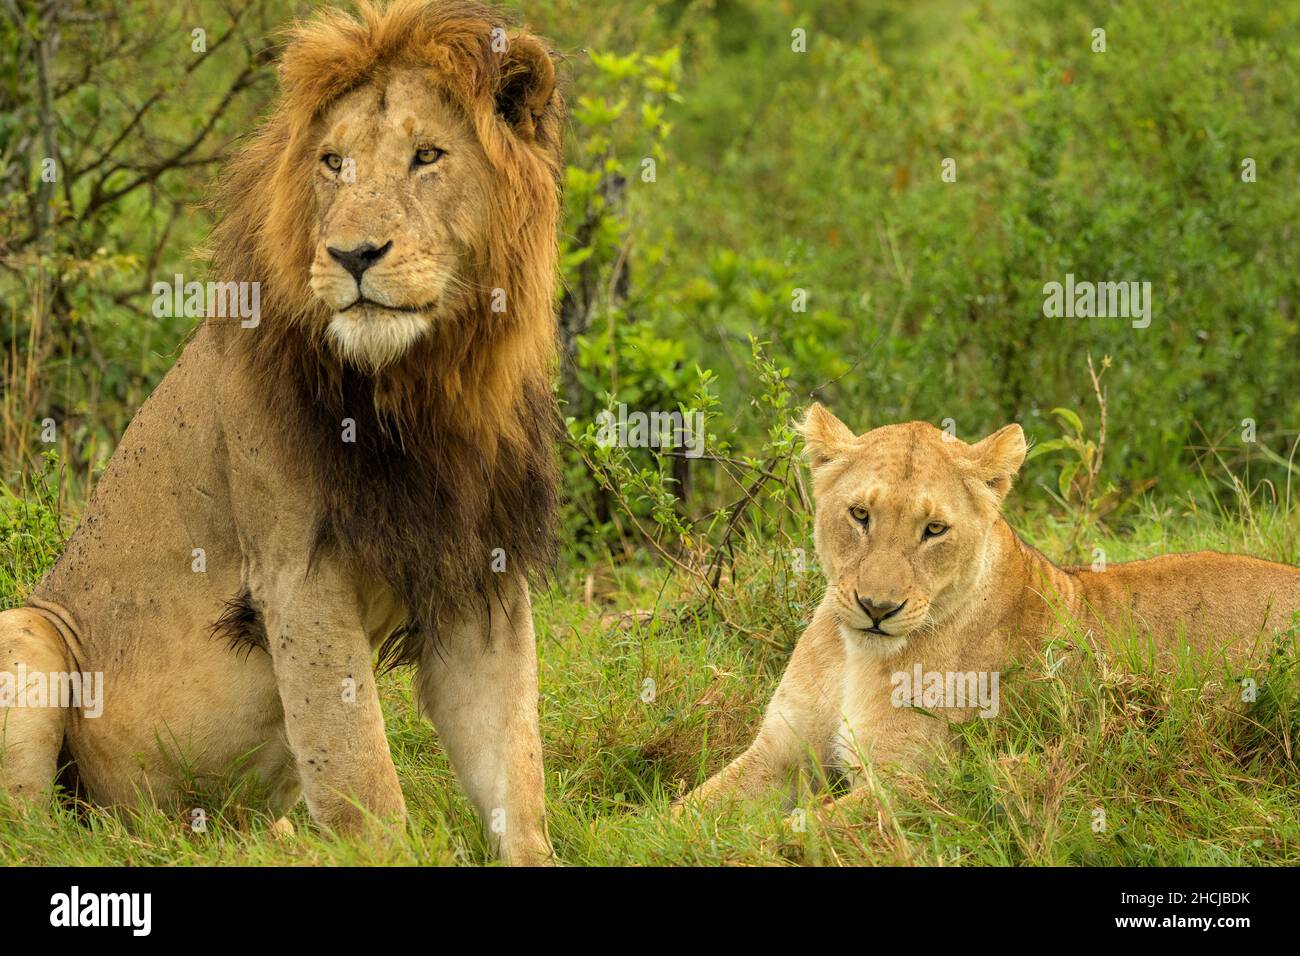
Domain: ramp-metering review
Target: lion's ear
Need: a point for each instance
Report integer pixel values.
(824, 435)
(999, 457)
(527, 83)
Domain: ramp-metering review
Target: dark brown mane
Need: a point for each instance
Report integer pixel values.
(453, 455)
(424, 507)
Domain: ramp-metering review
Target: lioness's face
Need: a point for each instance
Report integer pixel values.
(903, 518)
(401, 188)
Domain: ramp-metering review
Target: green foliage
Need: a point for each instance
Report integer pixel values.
(1116, 165)
(105, 151)
(31, 531)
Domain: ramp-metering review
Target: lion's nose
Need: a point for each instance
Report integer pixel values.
(357, 260)
(877, 612)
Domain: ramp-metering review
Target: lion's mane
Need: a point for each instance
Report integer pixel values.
(454, 450)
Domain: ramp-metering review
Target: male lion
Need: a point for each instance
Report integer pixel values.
(369, 468)
(925, 577)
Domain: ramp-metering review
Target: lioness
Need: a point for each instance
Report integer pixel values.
(368, 464)
(925, 577)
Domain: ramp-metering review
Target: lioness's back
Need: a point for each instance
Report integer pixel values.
(1206, 596)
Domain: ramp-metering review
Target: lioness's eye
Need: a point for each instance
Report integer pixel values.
(859, 513)
(935, 528)
(427, 157)
(333, 160)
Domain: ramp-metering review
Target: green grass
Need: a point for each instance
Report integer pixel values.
(1183, 778)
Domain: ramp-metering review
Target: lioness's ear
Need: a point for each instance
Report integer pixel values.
(999, 457)
(824, 435)
(527, 83)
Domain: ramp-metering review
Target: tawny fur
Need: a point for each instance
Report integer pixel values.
(974, 598)
(420, 533)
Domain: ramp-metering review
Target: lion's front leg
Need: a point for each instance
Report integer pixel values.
(332, 716)
(478, 685)
(797, 729)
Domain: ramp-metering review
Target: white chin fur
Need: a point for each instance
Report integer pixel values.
(872, 644)
(373, 342)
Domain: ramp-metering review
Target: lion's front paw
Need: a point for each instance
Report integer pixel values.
(536, 852)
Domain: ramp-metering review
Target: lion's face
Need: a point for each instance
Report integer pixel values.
(401, 186)
(903, 520)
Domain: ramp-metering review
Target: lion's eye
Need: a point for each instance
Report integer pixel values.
(935, 528)
(427, 157)
(859, 514)
(333, 160)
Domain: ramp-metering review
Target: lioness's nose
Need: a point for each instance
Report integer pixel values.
(360, 258)
(877, 612)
